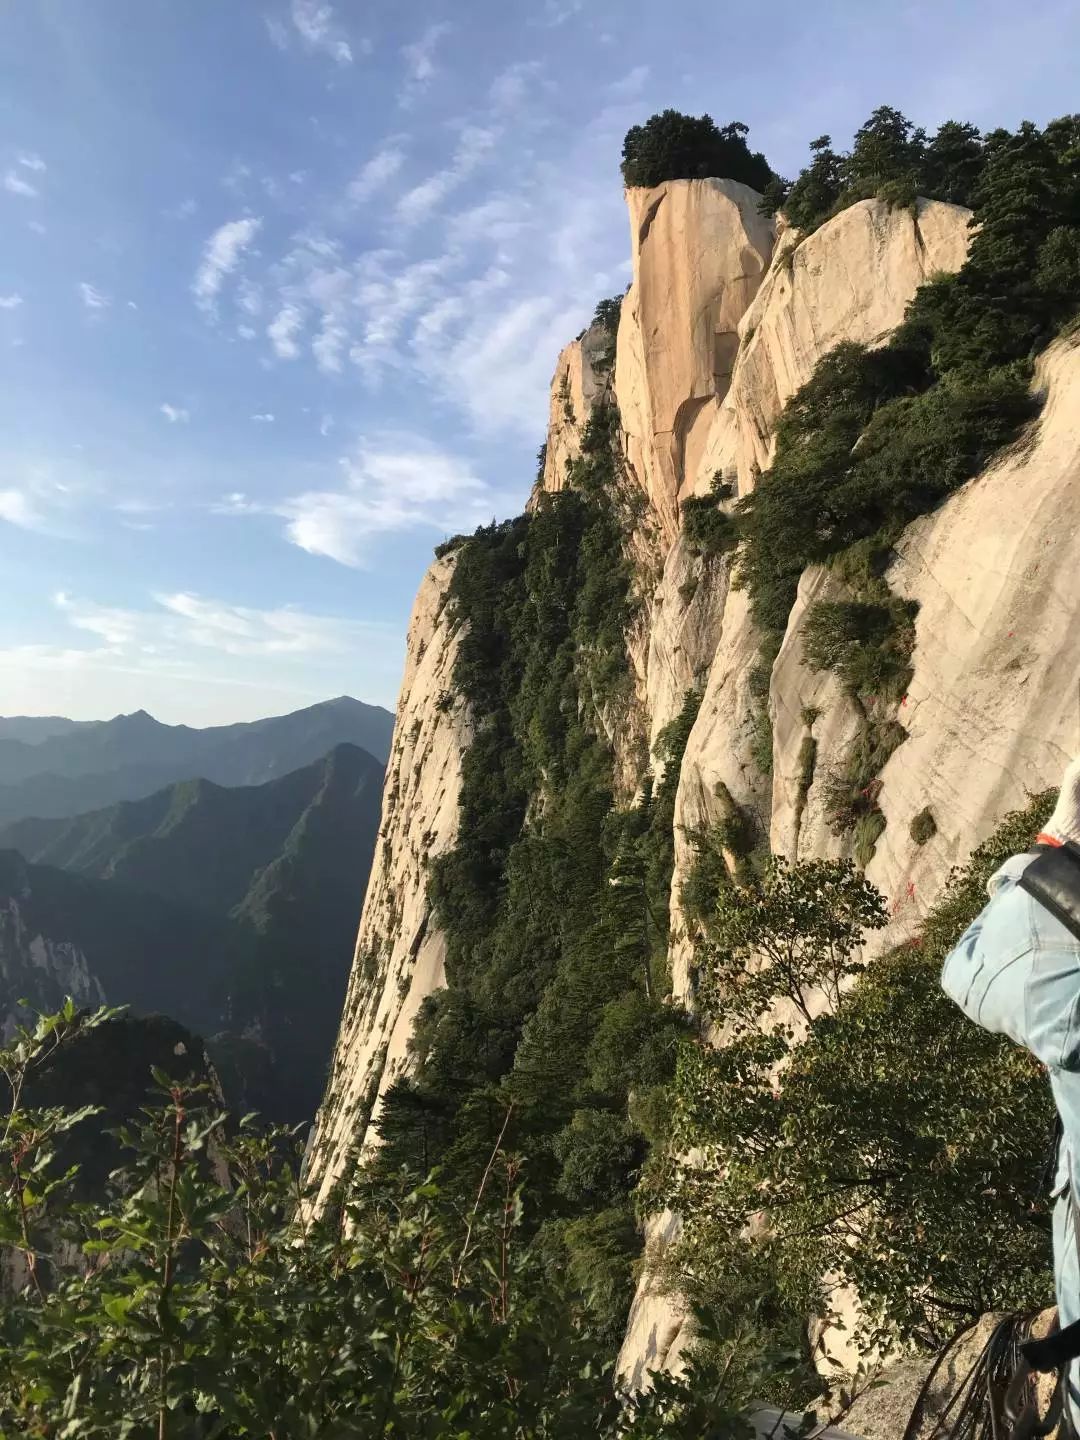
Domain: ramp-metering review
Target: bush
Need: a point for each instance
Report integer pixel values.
(923, 826)
(709, 529)
(881, 1159)
(672, 146)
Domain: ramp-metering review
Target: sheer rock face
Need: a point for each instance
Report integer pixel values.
(399, 950)
(699, 251)
(581, 378)
(38, 969)
(850, 280)
(714, 338)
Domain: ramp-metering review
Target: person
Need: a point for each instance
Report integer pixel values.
(1016, 971)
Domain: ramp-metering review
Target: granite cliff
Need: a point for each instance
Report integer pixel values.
(727, 316)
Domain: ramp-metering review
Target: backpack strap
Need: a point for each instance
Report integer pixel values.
(1053, 879)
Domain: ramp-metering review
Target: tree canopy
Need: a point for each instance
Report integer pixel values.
(673, 146)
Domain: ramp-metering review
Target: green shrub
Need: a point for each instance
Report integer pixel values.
(880, 1160)
(923, 826)
(193, 1298)
(761, 741)
(672, 146)
(709, 530)
(869, 829)
(807, 765)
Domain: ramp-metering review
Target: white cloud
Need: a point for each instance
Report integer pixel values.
(381, 168)
(326, 424)
(223, 252)
(195, 659)
(264, 419)
(631, 84)
(249, 296)
(510, 88)
(181, 620)
(397, 483)
(174, 414)
(19, 508)
(558, 12)
(419, 60)
(32, 162)
(116, 627)
(92, 297)
(474, 145)
(328, 348)
(15, 183)
(283, 329)
(37, 227)
(277, 31)
(183, 211)
(10, 302)
(319, 31)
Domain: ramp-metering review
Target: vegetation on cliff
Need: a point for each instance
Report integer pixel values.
(554, 903)
(673, 146)
(878, 437)
(195, 1300)
(901, 1150)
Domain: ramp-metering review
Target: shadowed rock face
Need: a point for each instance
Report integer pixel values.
(725, 319)
(399, 953)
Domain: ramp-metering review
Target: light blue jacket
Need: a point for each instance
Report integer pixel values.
(1016, 971)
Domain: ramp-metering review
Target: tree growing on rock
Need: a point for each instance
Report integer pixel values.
(673, 146)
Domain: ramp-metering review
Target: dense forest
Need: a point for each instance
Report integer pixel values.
(474, 1276)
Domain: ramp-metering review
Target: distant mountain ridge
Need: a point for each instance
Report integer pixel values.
(90, 765)
(34, 728)
(232, 910)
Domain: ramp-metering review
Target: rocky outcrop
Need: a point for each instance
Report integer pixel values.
(399, 950)
(580, 380)
(850, 280)
(36, 968)
(699, 249)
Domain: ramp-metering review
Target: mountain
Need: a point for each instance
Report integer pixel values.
(96, 764)
(231, 910)
(769, 608)
(34, 728)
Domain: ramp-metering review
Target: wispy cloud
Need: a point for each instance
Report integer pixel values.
(377, 172)
(319, 30)
(631, 84)
(184, 210)
(222, 254)
(179, 620)
(114, 626)
(30, 161)
(396, 483)
(474, 145)
(283, 329)
(558, 12)
(10, 302)
(265, 418)
(420, 67)
(17, 507)
(278, 31)
(513, 86)
(17, 185)
(92, 297)
(174, 414)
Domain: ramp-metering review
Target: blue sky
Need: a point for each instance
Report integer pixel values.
(284, 281)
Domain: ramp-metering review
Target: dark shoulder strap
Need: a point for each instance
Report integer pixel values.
(1053, 879)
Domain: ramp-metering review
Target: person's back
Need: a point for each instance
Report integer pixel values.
(1016, 971)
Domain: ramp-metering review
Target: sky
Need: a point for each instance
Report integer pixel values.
(284, 283)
